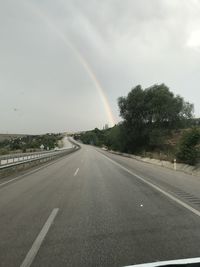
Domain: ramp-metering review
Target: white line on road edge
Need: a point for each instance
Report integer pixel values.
(76, 172)
(156, 187)
(38, 242)
(168, 263)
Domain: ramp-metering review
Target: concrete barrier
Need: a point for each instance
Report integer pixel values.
(193, 170)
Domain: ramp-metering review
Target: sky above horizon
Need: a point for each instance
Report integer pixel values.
(63, 64)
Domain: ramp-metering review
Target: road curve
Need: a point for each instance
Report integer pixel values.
(92, 209)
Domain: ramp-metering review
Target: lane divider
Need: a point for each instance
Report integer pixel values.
(76, 172)
(38, 241)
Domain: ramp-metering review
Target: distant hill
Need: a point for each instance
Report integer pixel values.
(10, 136)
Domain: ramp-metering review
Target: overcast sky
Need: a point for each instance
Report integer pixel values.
(44, 44)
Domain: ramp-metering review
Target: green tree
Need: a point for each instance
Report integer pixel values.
(145, 110)
(114, 138)
(189, 147)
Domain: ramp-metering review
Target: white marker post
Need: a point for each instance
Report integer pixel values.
(175, 164)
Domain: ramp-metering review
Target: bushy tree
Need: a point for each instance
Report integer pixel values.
(114, 138)
(189, 146)
(93, 137)
(150, 109)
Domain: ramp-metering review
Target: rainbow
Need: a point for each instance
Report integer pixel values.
(81, 59)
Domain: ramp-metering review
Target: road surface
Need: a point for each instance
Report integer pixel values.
(93, 208)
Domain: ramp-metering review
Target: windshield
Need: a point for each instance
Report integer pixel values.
(99, 133)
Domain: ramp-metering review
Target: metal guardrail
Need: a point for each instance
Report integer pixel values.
(12, 160)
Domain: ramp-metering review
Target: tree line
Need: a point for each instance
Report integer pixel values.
(30, 143)
(150, 117)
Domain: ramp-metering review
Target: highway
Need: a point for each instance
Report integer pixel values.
(93, 208)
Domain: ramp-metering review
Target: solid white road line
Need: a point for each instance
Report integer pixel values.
(76, 172)
(168, 263)
(38, 242)
(188, 207)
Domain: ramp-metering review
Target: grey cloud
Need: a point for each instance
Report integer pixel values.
(125, 43)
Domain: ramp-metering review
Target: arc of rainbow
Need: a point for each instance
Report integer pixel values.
(81, 59)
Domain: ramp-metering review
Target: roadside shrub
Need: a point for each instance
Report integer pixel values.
(189, 147)
(4, 151)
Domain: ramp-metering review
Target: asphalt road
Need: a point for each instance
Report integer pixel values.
(93, 208)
